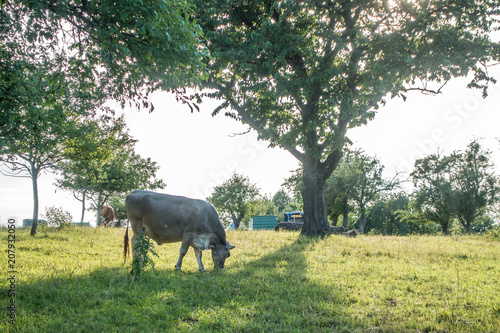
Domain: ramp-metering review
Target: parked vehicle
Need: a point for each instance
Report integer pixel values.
(296, 216)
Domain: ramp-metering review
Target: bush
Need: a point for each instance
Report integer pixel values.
(57, 217)
(493, 233)
(143, 260)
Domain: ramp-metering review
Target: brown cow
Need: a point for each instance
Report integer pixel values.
(108, 213)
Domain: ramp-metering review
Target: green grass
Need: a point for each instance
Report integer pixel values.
(74, 280)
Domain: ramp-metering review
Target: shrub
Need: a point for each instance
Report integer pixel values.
(493, 233)
(57, 217)
(144, 249)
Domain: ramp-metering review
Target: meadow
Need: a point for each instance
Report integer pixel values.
(74, 280)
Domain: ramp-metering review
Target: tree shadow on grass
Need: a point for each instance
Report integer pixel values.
(283, 296)
(273, 293)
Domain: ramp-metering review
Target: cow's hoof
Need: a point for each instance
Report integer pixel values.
(203, 270)
(178, 269)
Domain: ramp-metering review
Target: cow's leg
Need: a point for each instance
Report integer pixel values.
(187, 240)
(198, 254)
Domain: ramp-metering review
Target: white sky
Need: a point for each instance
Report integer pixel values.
(196, 153)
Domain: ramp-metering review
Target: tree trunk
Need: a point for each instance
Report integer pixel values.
(98, 222)
(314, 177)
(345, 220)
(362, 220)
(237, 220)
(34, 181)
(444, 227)
(466, 224)
(335, 219)
(83, 206)
(315, 218)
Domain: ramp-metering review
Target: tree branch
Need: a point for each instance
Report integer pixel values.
(232, 135)
(426, 91)
(248, 119)
(15, 169)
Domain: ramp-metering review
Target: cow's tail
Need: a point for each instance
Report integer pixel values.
(126, 244)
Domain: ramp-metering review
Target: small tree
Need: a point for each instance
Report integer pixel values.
(263, 206)
(476, 184)
(337, 194)
(434, 195)
(102, 163)
(234, 197)
(365, 183)
(281, 199)
(395, 214)
(285, 203)
(125, 172)
(97, 142)
(36, 130)
(294, 186)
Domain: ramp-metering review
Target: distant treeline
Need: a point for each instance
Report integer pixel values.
(455, 193)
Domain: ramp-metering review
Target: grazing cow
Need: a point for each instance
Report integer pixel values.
(168, 219)
(108, 213)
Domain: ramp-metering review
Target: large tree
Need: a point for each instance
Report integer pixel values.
(301, 73)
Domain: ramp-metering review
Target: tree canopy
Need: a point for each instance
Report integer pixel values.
(433, 178)
(301, 73)
(122, 50)
(462, 186)
(60, 60)
(101, 163)
(477, 187)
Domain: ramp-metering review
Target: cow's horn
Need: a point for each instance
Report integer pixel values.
(229, 246)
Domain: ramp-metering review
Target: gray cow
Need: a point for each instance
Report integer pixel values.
(168, 219)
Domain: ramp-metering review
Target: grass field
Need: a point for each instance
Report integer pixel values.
(74, 280)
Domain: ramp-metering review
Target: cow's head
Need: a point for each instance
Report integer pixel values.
(220, 252)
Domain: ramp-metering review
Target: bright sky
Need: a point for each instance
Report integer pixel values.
(196, 151)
